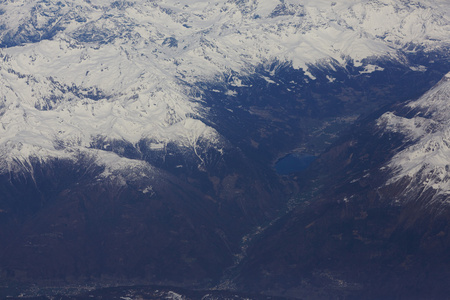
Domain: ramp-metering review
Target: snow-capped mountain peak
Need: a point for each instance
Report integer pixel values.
(425, 163)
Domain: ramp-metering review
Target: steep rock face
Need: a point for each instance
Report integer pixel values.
(369, 224)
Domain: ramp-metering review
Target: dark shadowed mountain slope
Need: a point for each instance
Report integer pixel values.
(367, 226)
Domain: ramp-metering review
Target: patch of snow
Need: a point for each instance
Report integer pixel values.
(310, 75)
(148, 189)
(174, 296)
(268, 79)
(331, 79)
(371, 68)
(419, 68)
(231, 93)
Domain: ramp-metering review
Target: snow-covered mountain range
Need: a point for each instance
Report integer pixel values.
(76, 72)
(138, 141)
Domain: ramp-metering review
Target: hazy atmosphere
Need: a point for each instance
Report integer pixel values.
(239, 149)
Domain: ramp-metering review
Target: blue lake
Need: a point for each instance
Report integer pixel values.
(293, 162)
